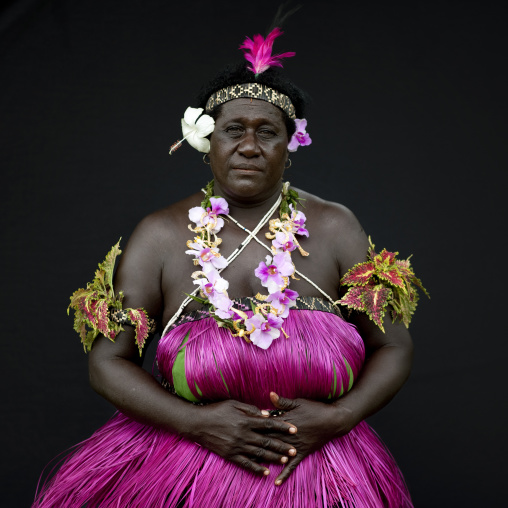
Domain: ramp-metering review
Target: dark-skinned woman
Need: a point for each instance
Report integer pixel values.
(266, 385)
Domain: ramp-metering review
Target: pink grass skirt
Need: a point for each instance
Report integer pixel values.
(126, 463)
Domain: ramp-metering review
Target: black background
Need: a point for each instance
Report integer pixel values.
(408, 125)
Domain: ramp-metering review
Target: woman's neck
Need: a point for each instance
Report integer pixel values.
(249, 209)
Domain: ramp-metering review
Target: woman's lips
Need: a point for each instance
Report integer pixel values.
(249, 169)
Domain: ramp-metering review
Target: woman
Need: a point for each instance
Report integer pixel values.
(278, 396)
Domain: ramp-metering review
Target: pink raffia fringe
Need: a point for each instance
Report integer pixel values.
(126, 463)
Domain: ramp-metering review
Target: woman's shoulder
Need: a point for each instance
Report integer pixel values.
(168, 223)
(329, 214)
(336, 228)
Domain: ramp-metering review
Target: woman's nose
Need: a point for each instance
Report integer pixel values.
(249, 146)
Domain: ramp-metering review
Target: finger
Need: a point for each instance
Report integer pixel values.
(250, 465)
(275, 445)
(282, 402)
(250, 410)
(263, 455)
(289, 439)
(274, 425)
(288, 469)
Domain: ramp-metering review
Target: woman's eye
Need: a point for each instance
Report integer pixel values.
(234, 129)
(267, 133)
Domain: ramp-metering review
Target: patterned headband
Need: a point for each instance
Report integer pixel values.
(251, 91)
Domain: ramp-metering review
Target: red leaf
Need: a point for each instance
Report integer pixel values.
(386, 257)
(404, 267)
(86, 305)
(102, 317)
(393, 277)
(139, 317)
(375, 299)
(352, 299)
(359, 275)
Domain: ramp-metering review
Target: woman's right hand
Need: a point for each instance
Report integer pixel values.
(235, 431)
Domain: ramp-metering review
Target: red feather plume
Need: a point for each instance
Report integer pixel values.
(258, 51)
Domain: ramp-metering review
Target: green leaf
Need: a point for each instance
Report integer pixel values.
(208, 194)
(108, 265)
(197, 299)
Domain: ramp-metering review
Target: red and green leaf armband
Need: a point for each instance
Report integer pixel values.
(379, 282)
(97, 309)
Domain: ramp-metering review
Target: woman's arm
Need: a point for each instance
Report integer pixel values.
(230, 429)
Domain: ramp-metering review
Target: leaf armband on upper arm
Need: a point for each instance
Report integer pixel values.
(97, 309)
(380, 281)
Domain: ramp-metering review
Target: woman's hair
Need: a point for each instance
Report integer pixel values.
(273, 77)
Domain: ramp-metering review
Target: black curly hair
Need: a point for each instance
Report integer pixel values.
(273, 77)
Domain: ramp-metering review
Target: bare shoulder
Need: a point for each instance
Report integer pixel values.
(162, 228)
(337, 227)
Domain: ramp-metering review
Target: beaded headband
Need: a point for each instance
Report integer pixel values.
(251, 91)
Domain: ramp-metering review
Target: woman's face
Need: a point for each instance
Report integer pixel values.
(248, 150)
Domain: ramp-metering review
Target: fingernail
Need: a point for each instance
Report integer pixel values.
(292, 430)
(266, 472)
(292, 451)
(284, 460)
(264, 412)
(278, 482)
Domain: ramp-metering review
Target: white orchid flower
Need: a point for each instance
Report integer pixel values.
(195, 130)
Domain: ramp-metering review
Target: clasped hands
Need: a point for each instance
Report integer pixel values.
(246, 435)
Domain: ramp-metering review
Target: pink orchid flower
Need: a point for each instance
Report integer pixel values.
(214, 287)
(265, 329)
(282, 302)
(209, 217)
(298, 219)
(271, 271)
(207, 257)
(300, 137)
(284, 242)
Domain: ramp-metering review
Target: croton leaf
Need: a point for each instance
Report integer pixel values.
(86, 306)
(376, 299)
(91, 305)
(101, 311)
(80, 326)
(385, 258)
(386, 281)
(359, 275)
(140, 318)
(393, 277)
(99, 282)
(108, 265)
(404, 267)
(352, 299)
(417, 282)
(403, 308)
(90, 337)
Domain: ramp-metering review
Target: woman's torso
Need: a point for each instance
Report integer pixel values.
(322, 266)
(319, 359)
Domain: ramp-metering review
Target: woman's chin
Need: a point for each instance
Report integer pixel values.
(247, 186)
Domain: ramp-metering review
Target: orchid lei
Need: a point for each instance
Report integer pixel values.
(274, 273)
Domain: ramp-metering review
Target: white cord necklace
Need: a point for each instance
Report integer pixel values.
(300, 274)
(231, 257)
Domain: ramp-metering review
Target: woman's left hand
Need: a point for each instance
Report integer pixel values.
(317, 424)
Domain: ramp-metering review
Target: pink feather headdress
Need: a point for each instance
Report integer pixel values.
(259, 52)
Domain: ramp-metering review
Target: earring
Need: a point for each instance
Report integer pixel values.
(205, 160)
(289, 165)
